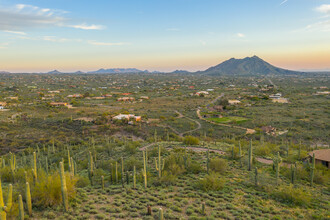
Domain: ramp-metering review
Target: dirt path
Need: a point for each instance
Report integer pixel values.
(248, 130)
(201, 149)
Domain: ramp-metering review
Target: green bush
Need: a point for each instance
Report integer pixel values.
(291, 195)
(218, 165)
(190, 140)
(211, 182)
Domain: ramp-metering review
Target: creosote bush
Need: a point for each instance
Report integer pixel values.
(292, 195)
(218, 165)
(190, 140)
(211, 182)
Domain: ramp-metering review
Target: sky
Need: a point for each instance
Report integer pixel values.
(163, 35)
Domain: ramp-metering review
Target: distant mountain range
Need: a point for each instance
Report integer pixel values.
(247, 66)
(118, 70)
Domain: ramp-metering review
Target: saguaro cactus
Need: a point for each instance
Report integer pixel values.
(312, 168)
(122, 170)
(277, 162)
(203, 208)
(90, 168)
(250, 156)
(34, 170)
(28, 198)
(5, 209)
(293, 174)
(21, 208)
(63, 188)
(116, 172)
(207, 160)
(134, 177)
(159, 166)
(144, 171)
(240, 153)
(256, 176)
(102, 182)
(161, 214)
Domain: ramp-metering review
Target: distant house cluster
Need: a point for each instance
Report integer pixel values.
(127, 117)
(58, 104)
(126, 99)
(234, 102)
(202, 93)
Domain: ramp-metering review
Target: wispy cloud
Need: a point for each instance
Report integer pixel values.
(87, 27)
(3, 45)
(283, 2)
(21, 17)
(173, 29)
(325, 9)
(323, 26)
(15, 32)
(92, 42)
(240, 35)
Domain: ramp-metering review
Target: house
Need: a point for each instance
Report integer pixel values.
(234, 102)
(127, 117)
(75, 96)
(321, 157)
(275, 96)
(144, 97)
(126, 99)
(269, 130)
(201, 93)
(3, 104)
(1, 107)
(58, 104)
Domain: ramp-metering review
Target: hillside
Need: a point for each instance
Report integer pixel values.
(247, 66)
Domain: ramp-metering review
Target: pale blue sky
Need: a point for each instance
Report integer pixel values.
(70, 35)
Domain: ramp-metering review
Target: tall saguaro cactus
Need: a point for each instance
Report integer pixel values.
(5, 209)
(134, 177)
(21, 208)
(208, 160)
(250, 156)
(28, 198)
(312, 168)
(122, 170)
(256, 176)
(161, 163)
(144, 171)
(240, 153)
(34, 170)
(63, 188)
(277, 162)
(90, 168)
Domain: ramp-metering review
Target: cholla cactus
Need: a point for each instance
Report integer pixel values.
(160, 164)
(5, 209)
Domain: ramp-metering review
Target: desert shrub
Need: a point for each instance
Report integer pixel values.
(82, 182)
(166, 179)
(47, 190)
(218, 165)
(190, 140)
(211, 182)
(174, 164)
(194, 167)
(292, 195)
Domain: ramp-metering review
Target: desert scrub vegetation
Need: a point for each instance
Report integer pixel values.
(104, 178)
